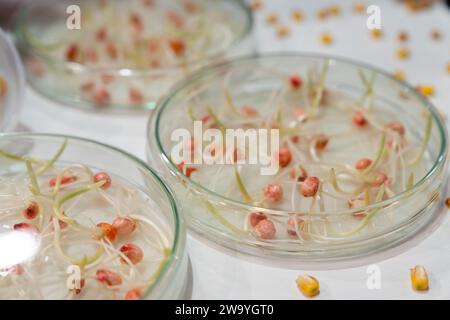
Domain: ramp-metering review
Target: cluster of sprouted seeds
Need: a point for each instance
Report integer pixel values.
(54, 217)
(161, 40)
(337, 153)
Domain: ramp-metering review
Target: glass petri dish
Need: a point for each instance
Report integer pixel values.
(319, 207)
(128, 60)
(69, 233)
(11, 83)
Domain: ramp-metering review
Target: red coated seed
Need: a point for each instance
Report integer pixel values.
(72, 53)
(64, 180)
(101, 34)
(359, 120)
(26, 227)
(134, 294)
(284, 157)
(256, 217)
(136, 23)
(363, 164)
(321, 142)
(124, 225)
(189, 170)
(265, 230)
(31, 211)
(101, 96)
(273, 192)
(132, 252)
(87, 86)
(380, 179)
(135, 96)
(295, 81)
(111, 50)
(396, 127)
(108, 231)
(310, 186)
(249, 111)
(178, 47)
(108, 277)
(103, 176)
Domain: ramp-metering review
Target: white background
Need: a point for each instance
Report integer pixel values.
(219, 276)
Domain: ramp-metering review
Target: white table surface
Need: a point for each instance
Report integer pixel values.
(219, 276)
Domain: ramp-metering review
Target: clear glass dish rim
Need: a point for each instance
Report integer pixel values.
(124, 71)
(181, 85)
(178, 244)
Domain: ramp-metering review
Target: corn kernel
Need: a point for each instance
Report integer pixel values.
(376, 33)
(436, 34)
(3, 87)
(256, 5)
(402, 36)
(359, 8)
(323, 14)
(447, 202)
(334, 10)
(272, 18)
(419, 278)
(399, 75)
(297, 16)
(308, 285)
(426, 90)
(403, 53)
(283, 31)
(448, 67)
(326, 38)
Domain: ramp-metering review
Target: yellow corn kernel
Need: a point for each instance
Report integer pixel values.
(426, 90)
(419, 278)
(283, 31)
(326, 38)
(272, 18)
(402, 53)
(334, 10)
(399, 75)
(376, 33)
(448, 67)
(297, 16)
(3, 87)
(447, 202)
(359, 8)
(256, 4)
(402, 36)
(308, 285)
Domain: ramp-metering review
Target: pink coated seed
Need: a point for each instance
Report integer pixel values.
(310, 186)
(273, 192)
(363, 164)
(265, 230)
(103, 176)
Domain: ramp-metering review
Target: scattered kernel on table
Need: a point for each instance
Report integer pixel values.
(326, 38)
(256, 4)
(283, 31)
(403, 53)
(323, 14)
(419, 278)
(447, 202)
(417, 5)
(402, 36)
(399, 75)
(376, 33)
(426, 90)
(359, 8)
(436, 35)
(297, 16)
(308, 285)
(448, 67)
(334, 10)
(272, 18)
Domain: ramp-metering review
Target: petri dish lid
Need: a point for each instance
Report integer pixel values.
(12, 83)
